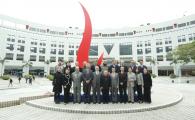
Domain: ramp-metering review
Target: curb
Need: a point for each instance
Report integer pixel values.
(118, 111)
(21, 100)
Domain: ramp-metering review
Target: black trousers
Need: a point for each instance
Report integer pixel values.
(87, 90)
(66, 93)
(105, 94)
(123, 93)
(139, 91)
(147, 94)
(56, 97)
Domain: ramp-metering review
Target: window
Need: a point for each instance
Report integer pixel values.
(190, 37)
(60, 58)
(41, 58)
(168, 48)
(13, 40)
(181, 25)
(20, 57)
(8, 39)
(183, 38)
(33, 49)
(179, 38)
(42, 50)
(93, 50)
(52, 59)
(20, 48)
(139, 44)
(42, 44)
(148, 58)
(159, 49)
(158, 29)
(192, 22)
(160, 58)
(32, 57)
(61, 52)
(125, 49)
(33, 43)
(147, 43)
(148, 50)
(169, 27)
(139, 58)
(9, 56)
(139, 51)
(169, 57)
(159, 42)
(168, 40)
(10, 47)
(71, 52)
(194, 35)
(53, 51)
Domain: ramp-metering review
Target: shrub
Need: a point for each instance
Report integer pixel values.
(153, 75)
(193, 73)
(27, 76)
(172, 75)
(5, 77)
(50, 77)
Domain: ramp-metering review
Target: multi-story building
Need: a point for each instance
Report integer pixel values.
(26, 41)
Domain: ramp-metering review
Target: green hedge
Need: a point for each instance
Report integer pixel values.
(5, 77)
(50, 77)
(193, 73)
(28, 76)
(153, 75)
(172, 75)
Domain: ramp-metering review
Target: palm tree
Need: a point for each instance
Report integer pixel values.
(175, 62)
(2, 61)
(154, 63)
(26, 66)
(47, 62)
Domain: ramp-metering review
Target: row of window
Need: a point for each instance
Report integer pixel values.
(20, 57)
(11, 47)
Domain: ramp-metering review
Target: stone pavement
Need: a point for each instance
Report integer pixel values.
(40, 86)
(159, 101)
(182, 111)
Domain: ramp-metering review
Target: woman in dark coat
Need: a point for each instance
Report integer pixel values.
(67, 83)
(57, 85)
(147, 86)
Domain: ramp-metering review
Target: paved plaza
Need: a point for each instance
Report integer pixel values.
(183, 110)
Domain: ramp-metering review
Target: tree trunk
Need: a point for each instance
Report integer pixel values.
(155, 69)
(2, 69)
(25, 70)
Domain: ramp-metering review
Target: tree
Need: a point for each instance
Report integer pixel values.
(47, 63)
(154, 63)
(26, 66)
(185, 52)
(182, 54)
(2, 61)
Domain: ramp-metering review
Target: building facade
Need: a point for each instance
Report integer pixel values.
(23, 41)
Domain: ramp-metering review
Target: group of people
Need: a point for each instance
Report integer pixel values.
(105, 82)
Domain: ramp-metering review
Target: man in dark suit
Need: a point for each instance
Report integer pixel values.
(105, 84)
(96, 85)
(133, 66)
(87, 77)
(141, 66)
(114, 65)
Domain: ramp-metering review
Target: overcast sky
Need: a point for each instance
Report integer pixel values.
(103, 13)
